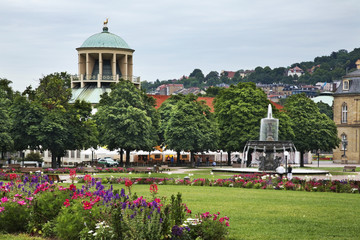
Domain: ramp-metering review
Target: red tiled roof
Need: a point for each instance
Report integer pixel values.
(209, 101)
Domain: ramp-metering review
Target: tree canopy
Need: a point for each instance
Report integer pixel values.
(191, 126)
(124, 119)
(313, 130)
(44, 119)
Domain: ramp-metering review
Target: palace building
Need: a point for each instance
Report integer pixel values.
(347, 117)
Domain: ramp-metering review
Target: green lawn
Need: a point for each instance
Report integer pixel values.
(271, 214)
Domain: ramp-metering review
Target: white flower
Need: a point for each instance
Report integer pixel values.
(91, 231)
(95, 234)
(130, 172)
(211, 173)
(149, 173)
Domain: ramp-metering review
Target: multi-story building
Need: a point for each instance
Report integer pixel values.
(347, 117)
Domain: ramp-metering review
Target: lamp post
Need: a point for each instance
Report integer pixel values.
(286, 153)
(92, 155)
(344, 143)
(318, 157)
(221, 151)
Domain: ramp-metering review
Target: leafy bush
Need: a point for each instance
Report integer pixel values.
(34, 156)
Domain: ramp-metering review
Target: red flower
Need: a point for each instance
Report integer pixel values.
(87, 178)
(153, 188)
(128, 183)
(13, 176)
(87, 205)
(72, 187)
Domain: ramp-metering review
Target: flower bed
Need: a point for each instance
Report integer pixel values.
(39, 207)
(256, 181)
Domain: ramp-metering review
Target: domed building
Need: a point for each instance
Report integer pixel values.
(103, 58)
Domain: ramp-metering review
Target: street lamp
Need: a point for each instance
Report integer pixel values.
(344, 143)
(286, 153)
(318, 157)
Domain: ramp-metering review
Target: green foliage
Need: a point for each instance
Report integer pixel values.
(191, 126)
(6, 141)
(124, 119)
(326, 109)
(34, 156)
(209, 230)
(46, 207)
(238, 111)
(15, 217)
(177, 209)
(45, 119)
(73, 219)
(313, 130)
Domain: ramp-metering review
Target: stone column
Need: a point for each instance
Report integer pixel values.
(100, 65)
(87, 66)
(125, 74)
(114, 66)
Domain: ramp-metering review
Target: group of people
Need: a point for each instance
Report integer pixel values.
(281, 170)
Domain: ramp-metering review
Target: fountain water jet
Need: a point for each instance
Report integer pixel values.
(269, 146)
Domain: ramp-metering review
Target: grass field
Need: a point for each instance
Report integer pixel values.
(272, 214)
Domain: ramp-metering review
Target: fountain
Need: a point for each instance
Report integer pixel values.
(272, 151)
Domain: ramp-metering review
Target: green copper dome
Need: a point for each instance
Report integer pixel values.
(105, 39)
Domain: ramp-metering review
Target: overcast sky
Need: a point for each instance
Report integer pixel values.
(171, 37)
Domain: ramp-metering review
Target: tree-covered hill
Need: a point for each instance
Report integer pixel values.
(322, 69)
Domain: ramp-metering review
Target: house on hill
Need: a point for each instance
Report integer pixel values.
(295, 71)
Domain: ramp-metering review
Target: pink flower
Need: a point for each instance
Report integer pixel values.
(22, 202)
(29, 198)
(18, 195)
(4, 199)
(2, 209)
(67, 203)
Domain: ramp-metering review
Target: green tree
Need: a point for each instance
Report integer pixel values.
(123, 119)
(238, 111)
(313, 130)
(6, 142)
(191, 127)
(326, 109)
(45, 120)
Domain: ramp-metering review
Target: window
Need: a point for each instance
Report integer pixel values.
(78, 154)
(346, 85)
(344, 111)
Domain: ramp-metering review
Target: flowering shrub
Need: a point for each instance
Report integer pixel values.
(90, 212)
(257, 181)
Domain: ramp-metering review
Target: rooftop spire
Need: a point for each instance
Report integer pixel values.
(105, 28)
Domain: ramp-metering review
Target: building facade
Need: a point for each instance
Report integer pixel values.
(347, 117)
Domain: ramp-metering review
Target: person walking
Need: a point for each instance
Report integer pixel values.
(289, 173)
(280, 170)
